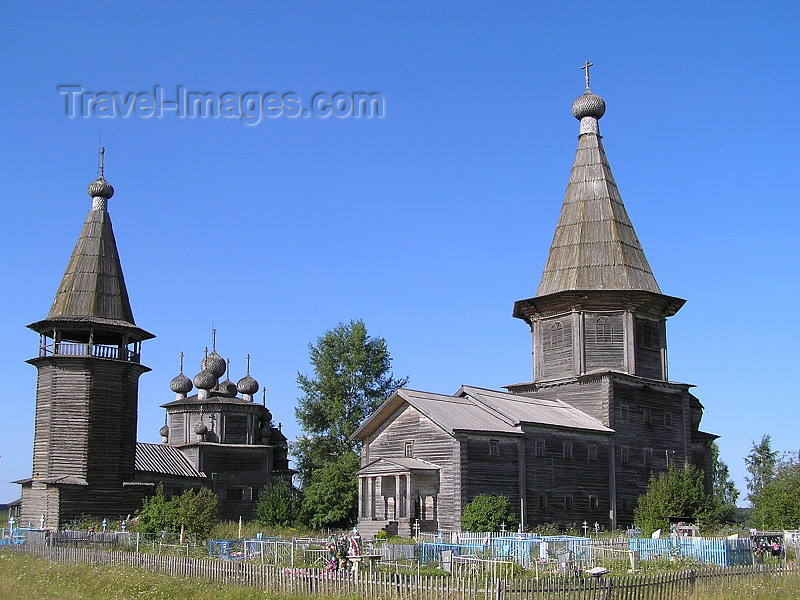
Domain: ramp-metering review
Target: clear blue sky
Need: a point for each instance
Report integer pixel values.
(427, 223)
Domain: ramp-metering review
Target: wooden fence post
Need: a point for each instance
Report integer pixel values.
(608, 585)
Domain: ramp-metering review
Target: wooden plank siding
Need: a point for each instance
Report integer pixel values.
(430, 443)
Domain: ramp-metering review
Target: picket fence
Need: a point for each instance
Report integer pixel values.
(393, 586)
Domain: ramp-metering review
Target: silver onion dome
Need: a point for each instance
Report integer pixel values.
(201, 428)
(228, 388)
(204, 380)
(214, 364)
(100, 188)
(164, 431)
(588, 105)
(247, 385)
(181, 384)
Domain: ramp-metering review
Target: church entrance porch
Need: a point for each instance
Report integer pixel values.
(396, 495)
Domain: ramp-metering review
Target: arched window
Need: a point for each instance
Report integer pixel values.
(603, 332)
(555, 337)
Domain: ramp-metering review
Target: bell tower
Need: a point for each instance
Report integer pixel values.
(89, 363)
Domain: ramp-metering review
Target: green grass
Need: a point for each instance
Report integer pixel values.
(33, 578)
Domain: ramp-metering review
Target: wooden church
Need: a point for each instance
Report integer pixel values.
(86, 460)
(581, 440)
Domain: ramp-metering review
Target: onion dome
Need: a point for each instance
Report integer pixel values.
(588, 105)
(228, 388)
(204, 380)
(201, 429)
(164, 431)
(214, 364)
(247, 385)
(181, 384)
(100, 188)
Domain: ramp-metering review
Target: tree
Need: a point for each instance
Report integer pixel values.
(679, 491)
(488, 513)
(195, 512)
(278, 504)
(723, 489)
(351, 378)
(761, 463)
(776, 504)
(155, 515)
(331, 499)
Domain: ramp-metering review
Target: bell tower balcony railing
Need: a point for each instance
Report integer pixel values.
(113, 352)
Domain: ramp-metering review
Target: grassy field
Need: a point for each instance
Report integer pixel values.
(33, 578)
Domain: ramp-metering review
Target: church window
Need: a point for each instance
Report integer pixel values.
(567, 449)
(539, 446)
(647, 416)
(554, 341)
(409, 450)
(603, 331)
(567, 502)
(647, 456)
(542, 501)
(594, 503)
(592, 451)
(234, 494)
(624, 413)
(623, 455)
(626, 505)
(494, 447)
(648, 334)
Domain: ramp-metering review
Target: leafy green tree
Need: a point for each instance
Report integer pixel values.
(195, 511)
(761, 463)
(679, 491)
(351, 378)
(776, 504)
(488, 513)
(724, 490)
(155, 515)
(278, 504)
(331, 498)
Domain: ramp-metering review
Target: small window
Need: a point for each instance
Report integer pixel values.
(594, 503)
(567, 502)
(648, 334)
(234, 494)
(647, 416)
(409, 450)
(626, 505)
(624, 413)
(568, 450)
(667, 419)
(539, 448)
(554, 340)
(494, 447)
(592, 451)
(603, 332)
(623, 455)
(647, 456)
(542, 500)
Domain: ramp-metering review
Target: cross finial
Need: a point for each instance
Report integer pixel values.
(228, 368)
(248, 364)
(181, 362)
(213, 340)
(586, 66)
(101, 162)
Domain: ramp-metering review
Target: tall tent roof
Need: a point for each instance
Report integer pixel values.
(594, 246)
(93, 284)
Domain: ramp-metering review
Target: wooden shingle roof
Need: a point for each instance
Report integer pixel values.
(93, 285)
(594, 246)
